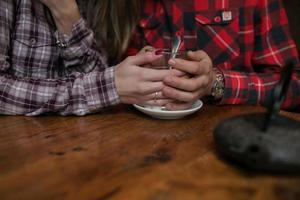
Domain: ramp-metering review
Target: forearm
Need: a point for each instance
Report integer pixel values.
(65, 14)
(78, 94)
(79, 49)
(65, 21)
(256, 88)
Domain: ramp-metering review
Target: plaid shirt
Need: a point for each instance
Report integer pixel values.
(43, 71)
(248, 41)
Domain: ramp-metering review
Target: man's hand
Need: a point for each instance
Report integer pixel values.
(185, 91)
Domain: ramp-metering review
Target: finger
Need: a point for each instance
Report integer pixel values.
(158, 102)
(197, 55)
(143, 99)
(187, 84)
(153, 96)
(149, 74)
(147, 66)
(191, 67)
(150, 88)
(146, 49)
(159, 74)
(180, 95)
(178, 106)
(142, 58)
(179, 73)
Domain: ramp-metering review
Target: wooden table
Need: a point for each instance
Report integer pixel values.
(123, 154)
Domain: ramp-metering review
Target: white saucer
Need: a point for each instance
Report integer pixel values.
(166, 114)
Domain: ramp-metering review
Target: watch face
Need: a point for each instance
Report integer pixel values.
(218, 86)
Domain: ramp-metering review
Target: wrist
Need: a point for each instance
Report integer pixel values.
(63, 9)
(65, 18)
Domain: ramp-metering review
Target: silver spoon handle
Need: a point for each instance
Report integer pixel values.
(175, 47)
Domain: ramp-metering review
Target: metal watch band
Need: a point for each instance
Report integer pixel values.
(218, 87)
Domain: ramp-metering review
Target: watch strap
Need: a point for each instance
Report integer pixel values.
(217, 90)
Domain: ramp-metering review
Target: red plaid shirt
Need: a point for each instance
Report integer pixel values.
(248, 41)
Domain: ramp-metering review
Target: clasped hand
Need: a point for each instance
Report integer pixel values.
(185, 91)
(176, 89)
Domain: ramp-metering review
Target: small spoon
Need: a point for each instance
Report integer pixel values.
(175, 47)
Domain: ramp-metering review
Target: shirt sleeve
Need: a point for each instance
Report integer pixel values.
(6, 21)
(78, 94)
(272, 49)
(136, 42)
(79, 49)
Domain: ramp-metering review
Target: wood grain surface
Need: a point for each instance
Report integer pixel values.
(121, 153)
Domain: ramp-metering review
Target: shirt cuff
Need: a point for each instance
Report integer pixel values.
(237, 87)
(77, 43)
(109, 74)
(100, 90)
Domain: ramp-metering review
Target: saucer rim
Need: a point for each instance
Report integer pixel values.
(199, 104)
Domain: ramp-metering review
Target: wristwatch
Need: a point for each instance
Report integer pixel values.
(217, 90)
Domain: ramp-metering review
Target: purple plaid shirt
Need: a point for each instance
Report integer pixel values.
(42, 70)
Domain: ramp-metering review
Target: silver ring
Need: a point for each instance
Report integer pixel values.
(155, 96)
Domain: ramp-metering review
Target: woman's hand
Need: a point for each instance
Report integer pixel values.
(139, 85)
(65, 13)
(185, 91)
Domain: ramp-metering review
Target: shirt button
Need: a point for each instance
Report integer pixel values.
(217, 19)
(33, 41)
(61, 44)
(179, 33)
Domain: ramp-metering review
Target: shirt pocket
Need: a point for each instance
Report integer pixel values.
(218, 34)
(34, 51)
(153, 28)
(33, 33)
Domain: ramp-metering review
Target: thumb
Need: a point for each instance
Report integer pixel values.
(196, 55)
(143, 58)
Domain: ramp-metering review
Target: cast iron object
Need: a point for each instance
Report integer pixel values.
(277, 150)
(265, 142)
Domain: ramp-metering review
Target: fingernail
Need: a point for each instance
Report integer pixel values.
(158, 52)
(172, 62)
(190, 53)
(149, 50)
